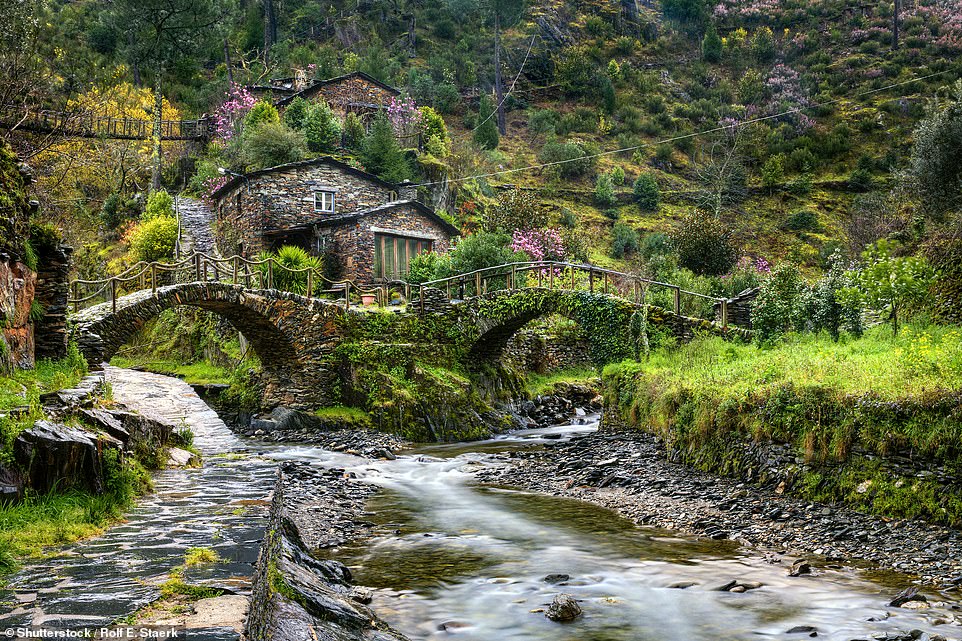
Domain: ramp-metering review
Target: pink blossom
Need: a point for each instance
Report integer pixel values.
(539, 244)
(404, 114)
(238, 101)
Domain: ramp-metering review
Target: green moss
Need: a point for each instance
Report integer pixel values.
(348, 416)
(544, 383)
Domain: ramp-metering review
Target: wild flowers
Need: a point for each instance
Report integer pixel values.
(238, 102)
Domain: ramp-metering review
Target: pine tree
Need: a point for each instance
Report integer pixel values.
(486, 135)
(711, 45)
(321, 128)
(382, 155)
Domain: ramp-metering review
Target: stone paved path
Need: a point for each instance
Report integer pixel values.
(222, 506)
(196, 221)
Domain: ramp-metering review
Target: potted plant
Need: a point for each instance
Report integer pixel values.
(368, 299)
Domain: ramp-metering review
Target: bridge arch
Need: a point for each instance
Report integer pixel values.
(493, 319)
(280, 327)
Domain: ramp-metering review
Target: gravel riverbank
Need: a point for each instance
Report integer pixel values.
(629, 473)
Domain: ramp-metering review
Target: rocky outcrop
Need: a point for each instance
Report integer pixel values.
(53, 291)
(295, 596)
(56, 456)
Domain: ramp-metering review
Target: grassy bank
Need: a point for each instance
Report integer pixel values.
(201, 373)
(878, 394)
(544, 383)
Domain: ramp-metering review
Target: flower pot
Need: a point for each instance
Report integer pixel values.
(368, 299)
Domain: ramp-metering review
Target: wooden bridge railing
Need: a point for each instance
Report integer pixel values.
(90, 125)
(236, 270)
(561, 275)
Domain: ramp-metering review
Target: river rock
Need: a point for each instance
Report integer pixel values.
(563, 608)
(909, 595)
(556, 578)
(177, 457)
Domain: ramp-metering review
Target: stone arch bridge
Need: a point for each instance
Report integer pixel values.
(296, 338)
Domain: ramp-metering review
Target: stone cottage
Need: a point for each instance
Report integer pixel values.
(356, 93)
(372, 228)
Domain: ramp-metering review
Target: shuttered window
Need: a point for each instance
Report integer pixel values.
(393, 254)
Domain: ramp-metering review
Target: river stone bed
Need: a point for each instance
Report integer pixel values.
(628, 472)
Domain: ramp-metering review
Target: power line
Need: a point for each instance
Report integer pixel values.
(505, 97)
(742, 123)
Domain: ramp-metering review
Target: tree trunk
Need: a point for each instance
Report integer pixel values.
(227, 61)
(270, 27)
(136, 69)
(895, 24)
(157, 155)
(498, 84)
(412, 39)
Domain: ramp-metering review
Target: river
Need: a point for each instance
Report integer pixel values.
(450, 558)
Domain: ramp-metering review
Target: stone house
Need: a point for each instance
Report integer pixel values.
(370, 227)
(356, 93)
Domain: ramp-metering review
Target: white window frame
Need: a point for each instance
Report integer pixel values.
(327, 202)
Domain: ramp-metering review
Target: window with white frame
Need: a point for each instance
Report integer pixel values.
(324, 201)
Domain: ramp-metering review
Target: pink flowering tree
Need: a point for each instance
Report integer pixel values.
(238, 101)
(539, 244)
(404, 115)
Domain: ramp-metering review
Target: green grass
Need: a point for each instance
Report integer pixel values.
(544, 383)
(879, 393)
(350, 416)
(197, 556)
(193, 373)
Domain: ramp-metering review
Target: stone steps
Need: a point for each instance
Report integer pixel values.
(197, 226)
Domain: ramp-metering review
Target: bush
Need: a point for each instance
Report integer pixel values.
(113, 212)
(605, 191)
(802, 220)
(781, 304)
(704, 245)
(773, 172)
(273, 144)
(763, 44)
(891, 284)
(543, 121)
(353, 135)
(568, 218)
(516, 209)
(261, 113)
(428, 266)
(486, 135)
(934, 161)
(381, 154)
(432, 124)
(484, 249)
(159, 203)
(711, 45)
(617, 175)
(571, 156)
(154, 239)
(446, 97)
(646, 192)
(322, 131)
(287, 260)
(624, 240)
(296, 113)
(861, 180)
(685, 10)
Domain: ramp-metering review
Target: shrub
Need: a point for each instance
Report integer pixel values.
(484, 249)
(273, 144)
(934, 162)
(296, 113)
(543, 121)
(486, 134)
(611, 213)
(892, 284)
(287, 261)
(763, 44)
(780, 305)
(515, 209)
(446, 97)
(571, 158)
(711, 45)
(624, 240)
(617, 175)
(861, 180)
(322, 131)
(605, 191)
(646, 192)
(428, 266)
(655, 245)
(159, 203)
(704, 245)
(568, 218)
(685, 10)
(113, 212)
(802, 220)
(353, 134)
(381, 154)
(835, 302)
(261, 113)
(432, 124)
(154, 239)
(773, 172)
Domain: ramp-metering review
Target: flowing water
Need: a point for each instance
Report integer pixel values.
(451, 559)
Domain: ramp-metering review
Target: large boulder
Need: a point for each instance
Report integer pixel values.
(54, 456)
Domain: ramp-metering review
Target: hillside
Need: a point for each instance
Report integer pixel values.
(586, 78)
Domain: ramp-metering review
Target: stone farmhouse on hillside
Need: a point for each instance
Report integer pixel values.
(372, 228)
(356, 93)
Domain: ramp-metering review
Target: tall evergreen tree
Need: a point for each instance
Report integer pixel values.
(486, 135)
(382, 155)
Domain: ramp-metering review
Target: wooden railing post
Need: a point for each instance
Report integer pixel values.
(540, 278)
(551, 277)
(270, 273)
(591, 280)
(572, 278)
(724, 313)
(677, 305)
(197, 266)
(153, 278)
(606, 282)
(514, 277)
(113, 295)
(235, 270)
(310, 281)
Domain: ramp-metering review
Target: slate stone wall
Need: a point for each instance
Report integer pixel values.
(53, 290)
(354, 243)
(285, 199)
